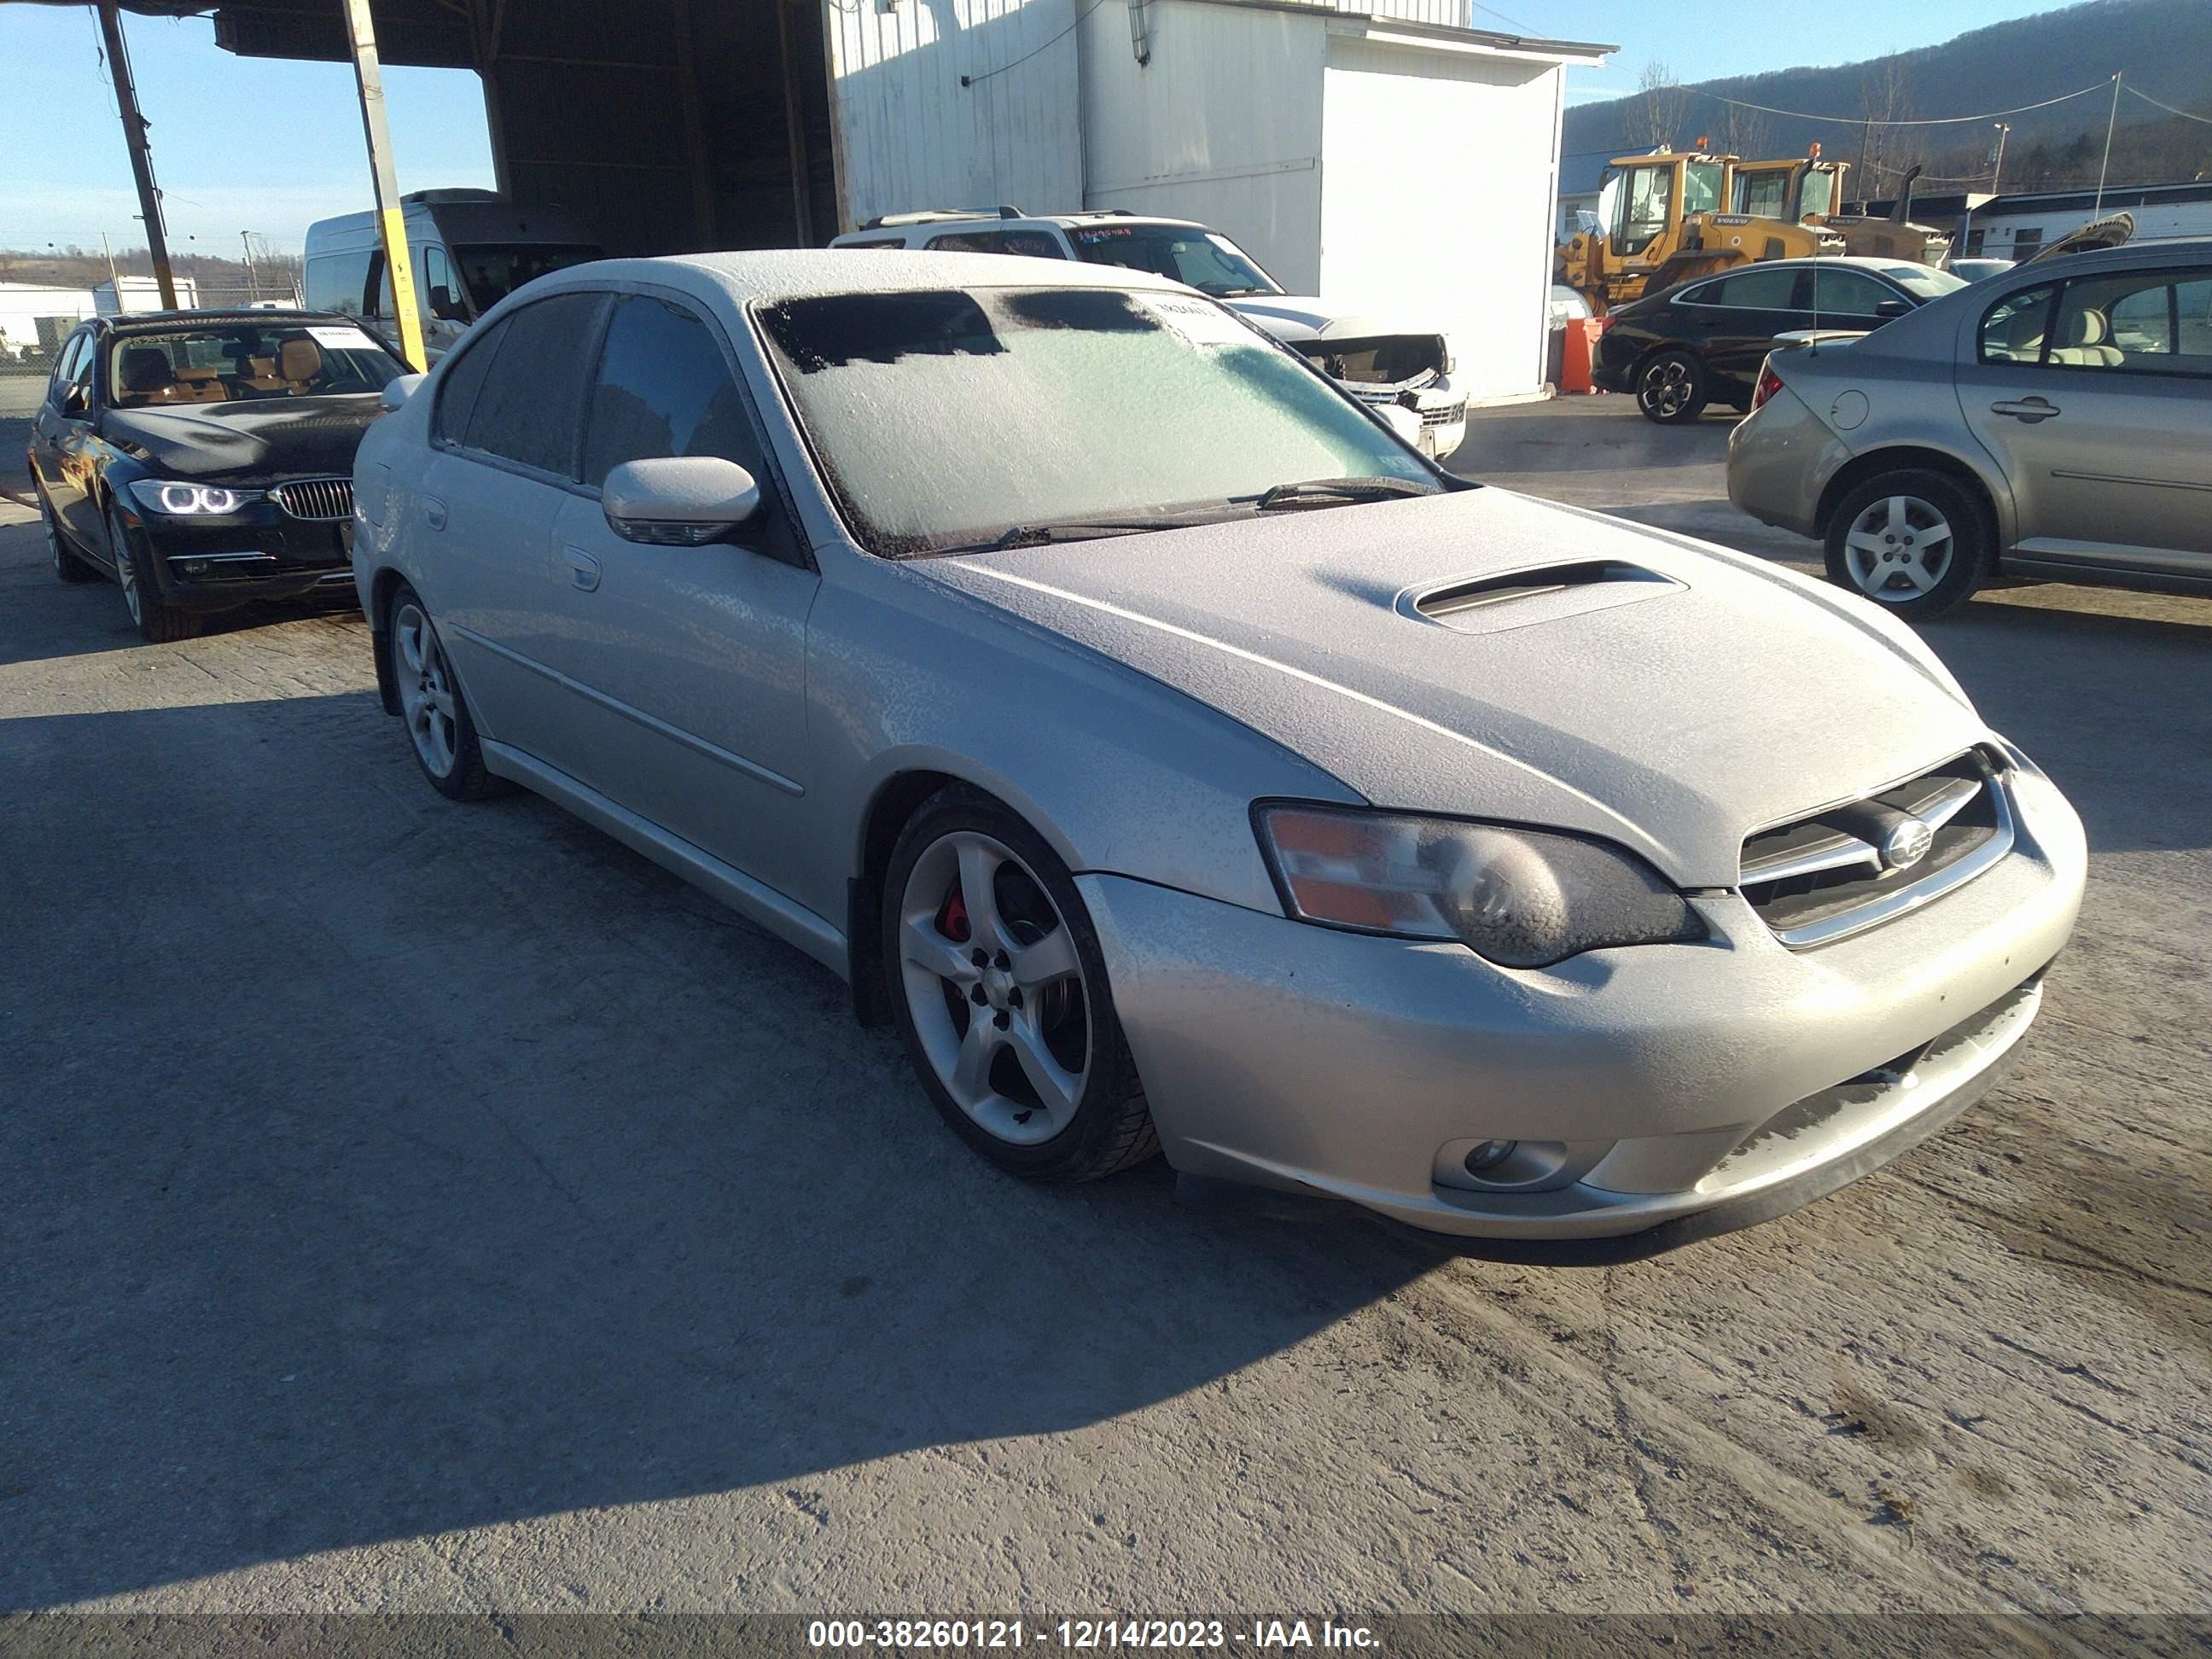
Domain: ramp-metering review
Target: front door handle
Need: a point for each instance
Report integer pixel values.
(2030, 410)
(433, 513)
(583, 569)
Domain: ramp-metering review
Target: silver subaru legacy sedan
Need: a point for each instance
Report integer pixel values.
(1185, 765)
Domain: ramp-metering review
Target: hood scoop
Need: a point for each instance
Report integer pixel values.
(1521, 599)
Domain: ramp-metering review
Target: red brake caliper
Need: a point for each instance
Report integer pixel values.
(953, 915)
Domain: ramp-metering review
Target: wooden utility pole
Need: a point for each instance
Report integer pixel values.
(390, 217)
(142, 158)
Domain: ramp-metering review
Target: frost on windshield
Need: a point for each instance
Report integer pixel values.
(944, 417)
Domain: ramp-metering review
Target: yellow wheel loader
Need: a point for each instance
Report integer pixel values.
(1806, 189)
(1665, 218)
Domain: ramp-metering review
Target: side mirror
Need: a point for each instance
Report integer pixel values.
(678, 500)
(396, 391)
(1891, 308)
(75, 399)
(444, 306)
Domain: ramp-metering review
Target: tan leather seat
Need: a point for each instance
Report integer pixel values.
(300, 361)
(145, 375)
(2088, 338)
(200, 385)
(261, 375)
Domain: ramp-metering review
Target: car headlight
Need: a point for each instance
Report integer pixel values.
(185, 501)
(1522, 898)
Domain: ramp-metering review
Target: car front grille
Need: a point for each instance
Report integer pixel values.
(1853, 866)
(1446, 414)
(323, 499)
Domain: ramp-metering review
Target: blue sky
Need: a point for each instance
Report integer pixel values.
(243, 143)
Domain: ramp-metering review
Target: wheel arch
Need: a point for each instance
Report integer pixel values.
(1901, 457)
(382, 585)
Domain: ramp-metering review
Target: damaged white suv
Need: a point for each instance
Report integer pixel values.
(1382, 361)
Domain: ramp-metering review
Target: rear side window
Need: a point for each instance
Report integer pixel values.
(338, 282)
(463, 382)
(1848, 294)
(1036, 244)
(2141, 322)
(2013, 329)
(529, 403)
(1760, 290)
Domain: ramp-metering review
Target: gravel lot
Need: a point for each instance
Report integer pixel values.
(404, 1206)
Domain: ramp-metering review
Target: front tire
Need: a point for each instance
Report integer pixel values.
(158, 621)
(68, 565)
(1917, 543)
(438, 725)
(1670, 388)
(999, 991)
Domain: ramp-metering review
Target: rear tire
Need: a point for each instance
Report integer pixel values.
(439, 729)
(70, 565)
(1918, 543)
(1000, 998)
(158, 621)
(1670, 388)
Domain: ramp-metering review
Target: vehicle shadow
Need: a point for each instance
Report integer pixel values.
(372, 1167)
(1583, 434)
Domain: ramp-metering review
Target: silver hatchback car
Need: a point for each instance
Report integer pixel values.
(2053, 423)
(1181, 762)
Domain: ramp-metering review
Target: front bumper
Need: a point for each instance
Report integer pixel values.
(257, 553)
(1717, 1082)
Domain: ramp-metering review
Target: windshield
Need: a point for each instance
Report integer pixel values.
(242, 361)
(1701, 187)
(1205, 261)
(1925, 281)
(492, 270)
(943, 418)
(1818, 198)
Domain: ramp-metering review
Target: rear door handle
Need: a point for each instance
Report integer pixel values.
(433, 513)
(2030, 410)
(583, 569)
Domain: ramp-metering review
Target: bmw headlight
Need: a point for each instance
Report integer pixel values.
(185, 501)
(1522, 898)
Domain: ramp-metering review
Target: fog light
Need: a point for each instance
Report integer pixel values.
(196, 567)
(1489, 1155)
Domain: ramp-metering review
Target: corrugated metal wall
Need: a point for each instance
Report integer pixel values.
(1221, 126)
(911, 136)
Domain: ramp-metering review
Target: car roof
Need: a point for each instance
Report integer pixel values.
(810, 273)
(169, 320)
(1861, 261)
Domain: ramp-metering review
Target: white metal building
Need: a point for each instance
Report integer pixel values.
(1405, 162)
(2014, 226)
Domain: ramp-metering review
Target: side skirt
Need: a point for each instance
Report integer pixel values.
(753, 900)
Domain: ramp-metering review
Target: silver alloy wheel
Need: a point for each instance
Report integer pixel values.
(996, 991)
(1898, 548)
(1665, 387)
(426, 689)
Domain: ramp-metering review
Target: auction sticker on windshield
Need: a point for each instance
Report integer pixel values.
(341, 339)
(1199, 321)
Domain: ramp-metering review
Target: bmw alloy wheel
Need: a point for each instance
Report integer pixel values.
(995, 987)
(1898, 548)
(1666, 388)
(426, 689)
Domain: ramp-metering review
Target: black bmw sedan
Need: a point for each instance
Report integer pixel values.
(1703, 342)
(203, 460)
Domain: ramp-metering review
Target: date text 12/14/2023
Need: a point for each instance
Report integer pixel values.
(1087, 1634)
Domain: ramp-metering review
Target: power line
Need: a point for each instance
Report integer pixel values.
(978, 80)
(1937, 121)
(1501, 16)
(2169, 109)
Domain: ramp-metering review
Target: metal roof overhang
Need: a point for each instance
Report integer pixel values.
(419, 34)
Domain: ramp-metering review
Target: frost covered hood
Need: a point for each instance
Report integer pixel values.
(1624, 682)
(245, 440)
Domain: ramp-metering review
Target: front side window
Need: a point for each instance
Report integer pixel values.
(1762, 195)
(1846, 293)
(1818, 198)
(435, 293)
(1033, 244)
(492, 270)
(528, 404)
(1701, 187)
(69, 363)
(943, 418)
(2013, 329)
(1924, 282)
(1201, 259)
(245, 361)
(664, 388)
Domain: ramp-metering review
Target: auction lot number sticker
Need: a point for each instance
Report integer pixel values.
(1080, 1635)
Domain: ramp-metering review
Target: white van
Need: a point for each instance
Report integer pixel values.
(471, 248)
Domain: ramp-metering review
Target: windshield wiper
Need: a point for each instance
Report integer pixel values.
(1340, 489)
(1067, 530)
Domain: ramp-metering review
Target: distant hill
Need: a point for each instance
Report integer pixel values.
(2162, 47)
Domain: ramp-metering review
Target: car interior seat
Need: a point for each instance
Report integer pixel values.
(2088, 340)
(2024, 335)
(147, 375)
(300, 362)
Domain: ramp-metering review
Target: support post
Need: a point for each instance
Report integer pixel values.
(794, 131)
(142, 158)
(2111, 121)
(390, 217)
